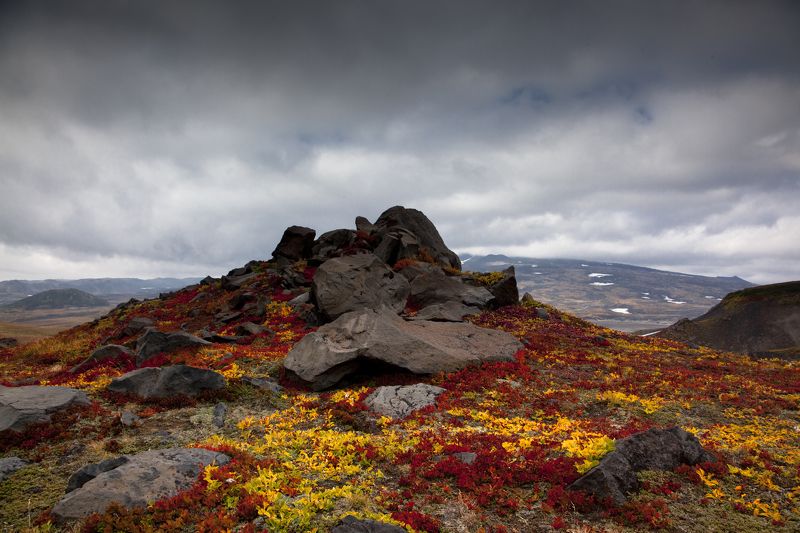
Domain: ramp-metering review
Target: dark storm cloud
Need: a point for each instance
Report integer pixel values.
(181, 137)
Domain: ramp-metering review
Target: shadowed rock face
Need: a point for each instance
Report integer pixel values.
(340, 348)
(154, 342)
(400, 223)
(295, 244)
(357, 282)
(134, 481)
(166, 382)
(654, 449)
(761, 321)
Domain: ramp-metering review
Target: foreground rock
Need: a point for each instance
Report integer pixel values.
(351, 524)
(296, 243)
(436, 288)
(654, 449)
(357, 282)
(167, 382)
(21, 407)
(9, 465)
(109, 352)
(505, 291)
(397, 224)
(135, 481)
(356, 340)
(155, 342)
(401, 401)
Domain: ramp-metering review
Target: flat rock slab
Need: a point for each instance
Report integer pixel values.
(136, 481)
(167, 382)
(351, 524)
(34, 404)
(446, 312)
(154, 342)
(9, 465)
(401, 401)
(654, 449)
(340, 348)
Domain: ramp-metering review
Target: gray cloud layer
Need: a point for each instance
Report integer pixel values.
(149, 138)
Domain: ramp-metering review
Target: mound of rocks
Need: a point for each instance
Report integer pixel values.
(133, 481)
(654, 449)
(167, 382)
(21, 407)
(355, 340)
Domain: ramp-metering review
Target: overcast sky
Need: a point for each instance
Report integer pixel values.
(180, 138)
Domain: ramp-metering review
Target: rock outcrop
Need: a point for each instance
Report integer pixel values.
(296, 243)
(21, 407)
(401, 401)
(357, 282)
(435, 287)
(167, 382)
(359, 338)
(407, 233)
(654, 449)
(109, 352)
(155, 342)
(136, 481)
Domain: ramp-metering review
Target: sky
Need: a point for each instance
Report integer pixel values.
(165, 138)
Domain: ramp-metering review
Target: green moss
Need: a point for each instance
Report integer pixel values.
(26, 494)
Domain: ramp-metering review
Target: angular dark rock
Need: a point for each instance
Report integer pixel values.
(445, 312)
(8, 342)
(505, 291)
(109, 352)
(332, 243)
(9, 465)
(155, 342)
(417, 224)
(21, 407)
(246, 329)
(435, 287)
(208, 280)
(396, 245)
(356, 282)
(137, 325)
(167, 382)
(365, 226)
(351, 524)
(654, 449)
(137, 481)
(295, 244)
(91, 471)
(219, 414)
(239, 300)
(234, 283)
(360, 338)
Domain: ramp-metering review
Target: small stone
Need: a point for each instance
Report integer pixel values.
(400, 401)
(9, 465)
(466, 457)
(129, 419)
(263, 384)
(220, 412)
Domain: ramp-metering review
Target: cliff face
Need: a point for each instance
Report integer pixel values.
(762, 321)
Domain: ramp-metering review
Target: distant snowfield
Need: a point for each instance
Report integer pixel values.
(599, 275)
(621, 310)
(601, 284)
(670, 300)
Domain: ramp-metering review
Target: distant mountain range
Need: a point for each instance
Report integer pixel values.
(616, 295)
(57, 299)
(112, 289)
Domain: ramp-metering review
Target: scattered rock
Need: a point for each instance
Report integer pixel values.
(240, 300)
(246, 329)
(505, 291)
(295, 244)
(354, 282)
(137, 481)
(417, 224)
(263, 384)
(528, 300)
(137, 325)
(351, 524)
(332, 243)
(167, 382)
(234, 283)
(301, 299)
(216, 337)
(220, 413)
(8, 342)
(155, 342)
(208, 280)
(129, 419)
(91, 471)
(542, 313)
(654, 449)
(9, 465)
(109, 352)
(358, 338)
(35, 404)
(435, 287)
(446, 312)
(400, 401)
(466, 457)
(364, 225)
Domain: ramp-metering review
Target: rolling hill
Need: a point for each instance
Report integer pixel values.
(57, 299)
(617, 295)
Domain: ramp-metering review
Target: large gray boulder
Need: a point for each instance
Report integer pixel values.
(109, 352)
(296, 243)
(416, 224)
(654, 449)
(355, 282)
(154, 342)
(435, 287)
(505, 291)
(137, 481)
(358, 338)
(445, 312)
(137, 325)
(400, 401)
(35, 404)
(332, 243)
(167, 382)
